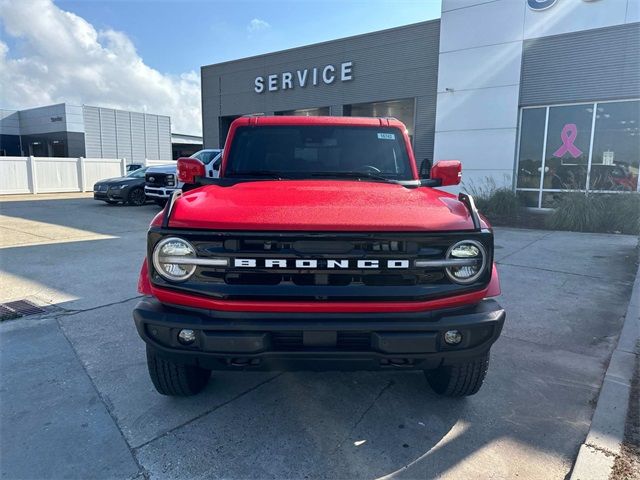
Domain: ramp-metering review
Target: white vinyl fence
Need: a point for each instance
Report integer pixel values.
(53, 175)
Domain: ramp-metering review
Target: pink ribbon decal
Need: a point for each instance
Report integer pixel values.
(568, 136)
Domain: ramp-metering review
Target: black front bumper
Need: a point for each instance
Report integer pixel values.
(113, 195)
(335, 341)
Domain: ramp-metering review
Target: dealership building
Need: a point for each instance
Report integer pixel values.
(539, 95)
(65, 130)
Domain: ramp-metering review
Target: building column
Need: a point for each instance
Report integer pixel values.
(478, 89)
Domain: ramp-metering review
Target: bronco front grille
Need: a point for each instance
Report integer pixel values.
(321, 283)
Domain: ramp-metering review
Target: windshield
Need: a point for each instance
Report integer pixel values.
(205, 156)
(307, 151)
(137, 173)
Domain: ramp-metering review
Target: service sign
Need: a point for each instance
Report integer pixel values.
(302, 78)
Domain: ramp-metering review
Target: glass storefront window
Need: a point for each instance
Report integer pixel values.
(589, 147)
(567, 152)
(530, 154)
(403, 110)
(58, 148)
(616, 147)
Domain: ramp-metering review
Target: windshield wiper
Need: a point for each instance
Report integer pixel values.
(254, 173)
(356, 175)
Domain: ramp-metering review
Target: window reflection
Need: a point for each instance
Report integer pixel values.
(307, 112)
(403, 110)
(530, 154)
(567, 152)
(616, 147)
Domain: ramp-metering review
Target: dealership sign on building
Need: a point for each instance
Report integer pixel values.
(544, 4)
(301, 78)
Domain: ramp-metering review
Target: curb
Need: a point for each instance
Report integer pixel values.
(603, 443)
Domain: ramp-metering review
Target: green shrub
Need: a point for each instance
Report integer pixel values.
(622, 213)
(577, 212)
(503, 202)
(493, 201)
(604, 213)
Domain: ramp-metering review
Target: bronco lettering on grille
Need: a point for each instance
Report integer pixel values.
(318, 264)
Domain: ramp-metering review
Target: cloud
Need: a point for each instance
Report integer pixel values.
(63, 58)
(257, 25)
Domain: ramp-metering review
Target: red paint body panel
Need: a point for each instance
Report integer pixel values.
(157, 220)
(144, 285)
(320, 205)
(190, 168)
(448, 171)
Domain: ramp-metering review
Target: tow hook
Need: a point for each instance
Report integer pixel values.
(244, 362)
(401, 362)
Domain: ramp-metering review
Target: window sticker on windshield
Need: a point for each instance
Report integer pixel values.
(386, 136)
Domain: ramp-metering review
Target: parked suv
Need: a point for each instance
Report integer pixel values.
(318, 248)
(161, 181)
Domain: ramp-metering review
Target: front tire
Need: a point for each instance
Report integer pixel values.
(136, 197)
(175, 379)
(459, 380)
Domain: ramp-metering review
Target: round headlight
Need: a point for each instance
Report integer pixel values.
(171, 259)
(476, 256)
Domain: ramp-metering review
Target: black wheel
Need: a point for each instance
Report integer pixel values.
(175, 379)
(112, 202)
(136, 197)
(160, 201)
(461, 379)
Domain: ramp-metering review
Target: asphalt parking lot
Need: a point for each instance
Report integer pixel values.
(76, 400)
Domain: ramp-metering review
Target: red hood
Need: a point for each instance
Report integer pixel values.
(319, 205)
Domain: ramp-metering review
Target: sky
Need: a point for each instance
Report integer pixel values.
(146, 55)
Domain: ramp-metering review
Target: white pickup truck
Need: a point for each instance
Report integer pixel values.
(162, 180)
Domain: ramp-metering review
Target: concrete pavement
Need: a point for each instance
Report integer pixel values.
(605, 442)
(76, 400)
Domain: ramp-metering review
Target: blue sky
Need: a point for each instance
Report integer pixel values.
(146, 55)
(176, 36)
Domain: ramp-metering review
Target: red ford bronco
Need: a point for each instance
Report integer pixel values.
(319, 247)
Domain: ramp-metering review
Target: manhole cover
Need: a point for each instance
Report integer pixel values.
(17, 309)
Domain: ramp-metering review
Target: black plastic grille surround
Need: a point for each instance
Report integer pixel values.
(159, 179)
(346, 341)
(322, 284)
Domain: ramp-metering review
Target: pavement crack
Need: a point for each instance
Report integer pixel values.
(592, 277)
(27, 233)
(204, 414)
(607, 453)
(386, 387)
(68, 312)
(526, 246)
(107, 404)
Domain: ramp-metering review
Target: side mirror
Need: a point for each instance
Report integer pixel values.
(448, 172)
(189, 169)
